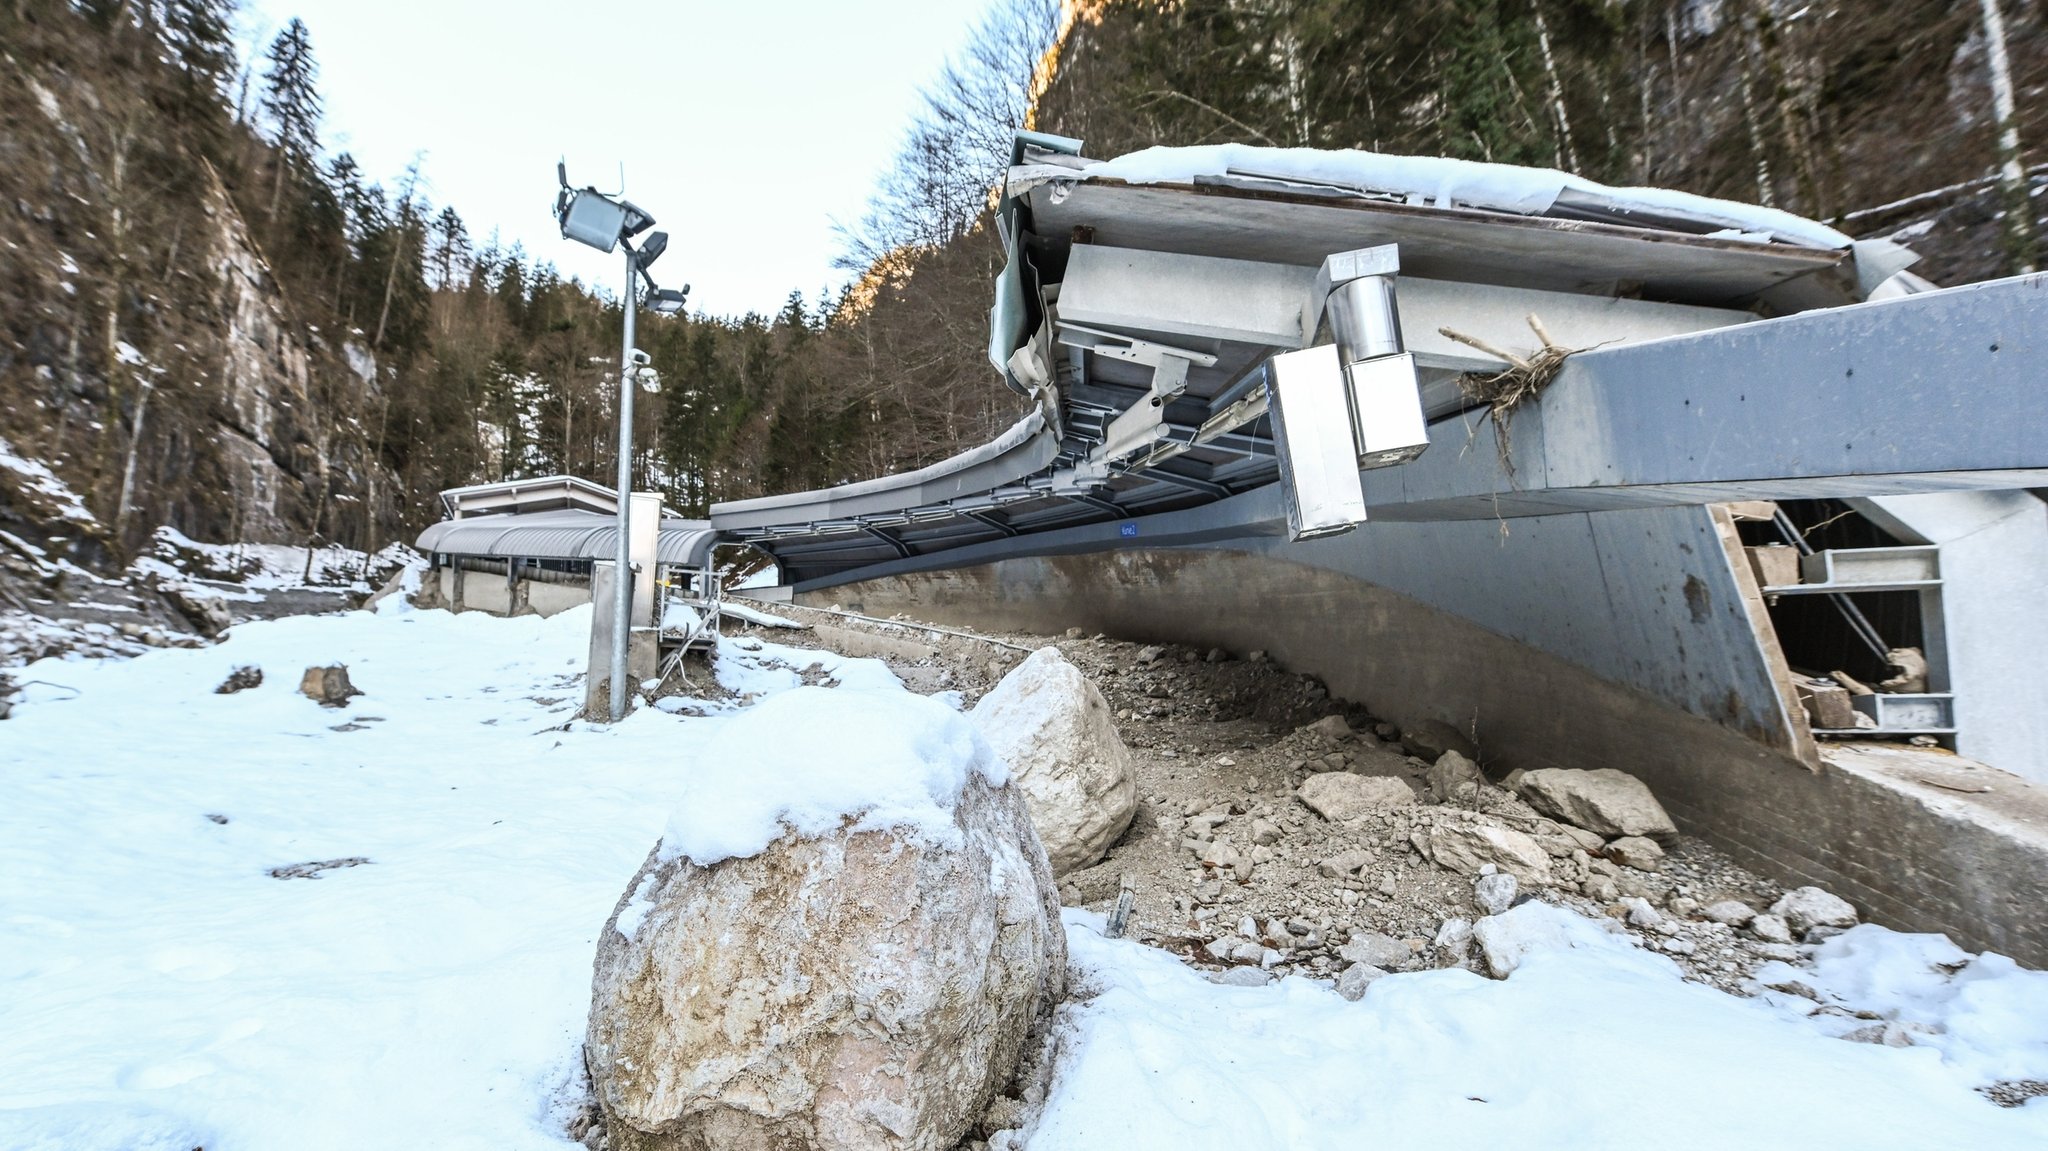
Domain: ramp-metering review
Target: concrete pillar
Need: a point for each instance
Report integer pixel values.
(644, 515)
(643, 649)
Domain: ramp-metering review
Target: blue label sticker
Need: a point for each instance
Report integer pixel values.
(1128, 531)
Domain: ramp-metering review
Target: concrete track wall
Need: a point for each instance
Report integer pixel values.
(1910, 859)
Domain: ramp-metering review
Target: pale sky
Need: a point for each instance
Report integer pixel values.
(745, 128)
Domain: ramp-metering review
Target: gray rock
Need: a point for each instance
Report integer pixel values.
(1464, 842)
(1605, 801)
(1682, 906)
(1453, 779)
(1637, 851)
(1806, 908)
(1344, 863)
(1333, 728)
(1431, 738)
(721, 1016)
(1054, 728)
(1771, 929)
(1266, 832)
(1356, 978)
(244, 677)
(328, 686)
(1640, 913)
(1338, 795)
(1150, 654)
(1453, 935)
(1495, 893)
(1376, 949)
(1600, 889)
(1240, 977)
(1729, 913)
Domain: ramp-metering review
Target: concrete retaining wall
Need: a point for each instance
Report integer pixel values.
(459, 590)
(1907, 859)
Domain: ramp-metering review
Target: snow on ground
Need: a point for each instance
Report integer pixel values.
(160, 989)
(1582, 1047)
(38, 480)
(267, 567)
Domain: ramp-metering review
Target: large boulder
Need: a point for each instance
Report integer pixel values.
(1465, 842)
(1057, 733)
(847, 938)
(1339, 796)
(1604, 801)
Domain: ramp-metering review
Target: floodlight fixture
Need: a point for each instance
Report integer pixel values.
(637, 219)
(668, 301)
(651, 249)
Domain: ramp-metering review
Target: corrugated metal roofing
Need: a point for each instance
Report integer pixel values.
(562, 535)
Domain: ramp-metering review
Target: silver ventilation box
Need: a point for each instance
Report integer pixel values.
(1313, 438)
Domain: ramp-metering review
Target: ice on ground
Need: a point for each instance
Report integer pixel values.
(1588, 1046)
(808, 759)
(1446, 183)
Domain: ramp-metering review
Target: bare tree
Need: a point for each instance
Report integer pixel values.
(2012, 176)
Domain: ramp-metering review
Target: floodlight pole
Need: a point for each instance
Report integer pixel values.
(622, 571)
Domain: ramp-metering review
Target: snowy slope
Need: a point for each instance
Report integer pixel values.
(160, 990)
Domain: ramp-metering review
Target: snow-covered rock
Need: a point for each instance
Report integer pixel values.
(1340, 795)
(1057, 733)
(1806, 908)
(846, 938)
(1507, 939)
(1604, 801)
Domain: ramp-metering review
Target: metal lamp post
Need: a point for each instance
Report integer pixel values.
(602, 222)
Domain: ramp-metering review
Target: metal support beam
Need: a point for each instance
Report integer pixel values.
(1933, 392)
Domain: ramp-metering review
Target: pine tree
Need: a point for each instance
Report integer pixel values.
(201, 38)
(450, 251)
(292, 102)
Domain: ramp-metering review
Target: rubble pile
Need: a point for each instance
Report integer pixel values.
(1280, 831)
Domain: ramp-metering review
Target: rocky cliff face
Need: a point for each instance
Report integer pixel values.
(149, 356)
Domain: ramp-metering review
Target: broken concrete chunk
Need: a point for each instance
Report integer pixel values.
(1637, 851)
(1604, 801)
(1338, 795)
(328, 686)
(1806, 908)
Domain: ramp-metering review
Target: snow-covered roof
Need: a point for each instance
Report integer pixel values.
(1443, 182)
